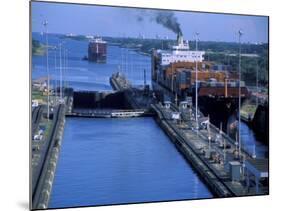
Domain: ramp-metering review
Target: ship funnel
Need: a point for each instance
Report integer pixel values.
(180, 38)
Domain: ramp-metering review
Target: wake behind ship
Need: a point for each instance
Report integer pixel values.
(97, 50)
(173, 76)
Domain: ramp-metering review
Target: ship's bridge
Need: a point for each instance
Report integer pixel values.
(180, 53)
(168, 57)
(97, 40)
(182, 45)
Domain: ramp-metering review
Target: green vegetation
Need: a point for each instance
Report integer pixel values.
(227, 53)
(47, 125)
(37, 48)
(142, 45)
(75, 37)
(38, 95)
(248, 110)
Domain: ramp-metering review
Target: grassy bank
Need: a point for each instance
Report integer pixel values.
(38, 48)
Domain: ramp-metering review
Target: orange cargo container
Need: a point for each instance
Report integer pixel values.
(206, 75)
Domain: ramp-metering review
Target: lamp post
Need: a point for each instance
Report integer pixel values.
(45, 24)
(257, 83)
(209, 132)
(196, 80)
(56, 82)
(239, 94)
(65, 67)
(63, 70)
(67, 60)
(60, 76)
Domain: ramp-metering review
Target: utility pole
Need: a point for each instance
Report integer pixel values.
(239, 97)
(45, 23)
(196, 82)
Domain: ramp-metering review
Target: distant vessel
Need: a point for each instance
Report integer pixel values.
(70, 35)
(97, 50)
(90, 37)
(173, 76)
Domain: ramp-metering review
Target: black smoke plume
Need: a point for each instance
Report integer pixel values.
(169, 21)
(165, 18)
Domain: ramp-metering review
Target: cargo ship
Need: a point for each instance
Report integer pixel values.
(173, 77)
(97, 50)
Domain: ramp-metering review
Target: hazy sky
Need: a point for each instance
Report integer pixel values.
(115, 21)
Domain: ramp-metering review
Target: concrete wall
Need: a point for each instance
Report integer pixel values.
(42, 180)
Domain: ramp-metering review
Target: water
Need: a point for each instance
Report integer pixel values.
(84, 75)
(252, 143)
(105, 161)
(132, 161)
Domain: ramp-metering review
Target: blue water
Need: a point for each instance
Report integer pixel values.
(252, 143)
(84, 75)
(109, 161)
(105, 161)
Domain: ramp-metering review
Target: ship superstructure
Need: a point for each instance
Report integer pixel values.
(179, 52)
(97, 50)
(174, 74)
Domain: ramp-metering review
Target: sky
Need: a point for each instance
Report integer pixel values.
(131, 22)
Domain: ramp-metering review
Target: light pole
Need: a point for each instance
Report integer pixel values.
(45, 24)
(257, 83)
(122, 71)
(196, 79)
(60, 75)
(209, 133)
(56, 82)
(126, 62)
(172, 82)
(63, 71)
(65, 68)
(239, 94)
